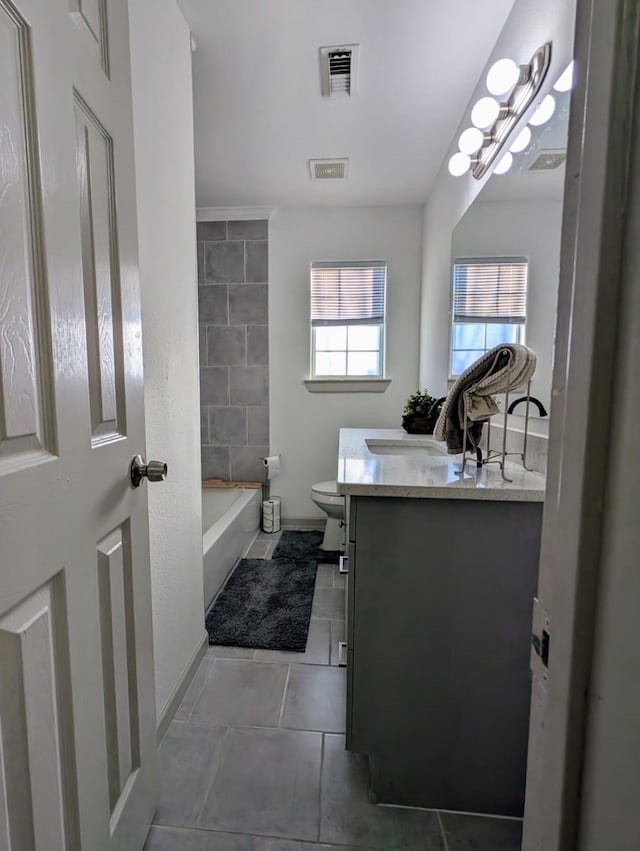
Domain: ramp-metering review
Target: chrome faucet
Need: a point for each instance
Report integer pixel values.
(541, 408)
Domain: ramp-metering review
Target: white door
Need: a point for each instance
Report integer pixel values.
(77, 715)
(584, 424)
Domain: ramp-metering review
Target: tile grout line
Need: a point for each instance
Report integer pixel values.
(320, 786)
(442, 833)
(204, 682)
(274, 661)
(234, 832)
(284, 696)
(246, 408)
(223, 748)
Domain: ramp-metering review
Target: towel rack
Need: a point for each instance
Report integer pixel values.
(497, 456)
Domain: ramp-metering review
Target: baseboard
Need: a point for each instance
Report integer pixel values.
(171, 706)
(305, 522)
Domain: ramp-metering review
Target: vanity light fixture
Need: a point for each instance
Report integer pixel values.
(471, 140)
(544, 112)
(504, 164)
(459, 164)
(484, 113)
(497, 120)
(522, 141)
(503, 76)
(564, 82)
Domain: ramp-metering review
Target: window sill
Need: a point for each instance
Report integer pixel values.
(347, 385)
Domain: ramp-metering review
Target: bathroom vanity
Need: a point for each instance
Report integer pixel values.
(442, 572)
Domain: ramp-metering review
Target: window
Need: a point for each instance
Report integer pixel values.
(347, 319)
(489, 307)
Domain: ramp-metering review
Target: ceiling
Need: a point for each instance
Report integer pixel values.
(260, 116)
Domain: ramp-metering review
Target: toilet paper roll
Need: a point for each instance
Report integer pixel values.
(271, 507)
(271, 514)
(272, 463)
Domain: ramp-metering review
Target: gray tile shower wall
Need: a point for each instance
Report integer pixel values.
(234, 348)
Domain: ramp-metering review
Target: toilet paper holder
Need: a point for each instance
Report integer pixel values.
(271, 470)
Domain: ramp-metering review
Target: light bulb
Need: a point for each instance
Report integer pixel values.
(484, 113)
(459, 164)
(502, 76)
(564, 82)
(471, 140)
(544, 112)
(504, 164)
(522, 141)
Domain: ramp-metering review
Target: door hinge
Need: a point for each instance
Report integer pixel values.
(540, 639)
(541, 646)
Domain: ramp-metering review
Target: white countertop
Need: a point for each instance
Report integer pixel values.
(419, 466)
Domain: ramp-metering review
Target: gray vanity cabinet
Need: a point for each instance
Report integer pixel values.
(440, 595)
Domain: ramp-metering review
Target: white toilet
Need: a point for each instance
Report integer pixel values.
(326, 496)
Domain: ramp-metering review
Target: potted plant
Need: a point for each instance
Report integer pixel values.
(421, 412)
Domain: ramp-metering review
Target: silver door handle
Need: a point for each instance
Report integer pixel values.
(342, 564)
(155, 471)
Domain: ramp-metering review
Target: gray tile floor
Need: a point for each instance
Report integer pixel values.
(255, 761)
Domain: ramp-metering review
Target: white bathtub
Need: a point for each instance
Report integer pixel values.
(230, 520)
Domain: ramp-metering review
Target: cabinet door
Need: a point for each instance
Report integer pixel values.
(442, 592)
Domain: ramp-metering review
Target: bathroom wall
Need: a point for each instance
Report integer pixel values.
(529, 229)
(163, 139)
(304, 425)
(528, 26)
(234, 348)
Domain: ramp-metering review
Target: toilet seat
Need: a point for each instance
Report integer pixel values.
(325, 495)
(326, 489)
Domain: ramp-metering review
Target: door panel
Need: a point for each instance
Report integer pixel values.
(90, 16)
(98, 227)
(75, 598)
(31, 752)
(117, 633)
(26, 427)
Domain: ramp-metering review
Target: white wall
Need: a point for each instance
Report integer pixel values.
(304, 426)
(524, 229)
(163, 127)
(528, 27)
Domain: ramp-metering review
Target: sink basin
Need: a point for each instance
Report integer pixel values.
(416, 448)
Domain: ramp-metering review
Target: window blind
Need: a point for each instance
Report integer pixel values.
(349, 293)
(491, 290)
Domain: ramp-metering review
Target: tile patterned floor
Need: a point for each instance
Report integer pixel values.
(255, 761)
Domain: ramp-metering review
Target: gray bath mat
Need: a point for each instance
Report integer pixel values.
(265, 604)
(304, 545)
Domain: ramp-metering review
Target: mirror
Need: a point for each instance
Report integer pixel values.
(512, 229)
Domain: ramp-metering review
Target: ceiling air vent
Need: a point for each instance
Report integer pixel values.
(329, 169)
(548, 160)
(338, 67)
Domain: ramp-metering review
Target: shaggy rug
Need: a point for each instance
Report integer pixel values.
(304, 545)
(266, 603)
